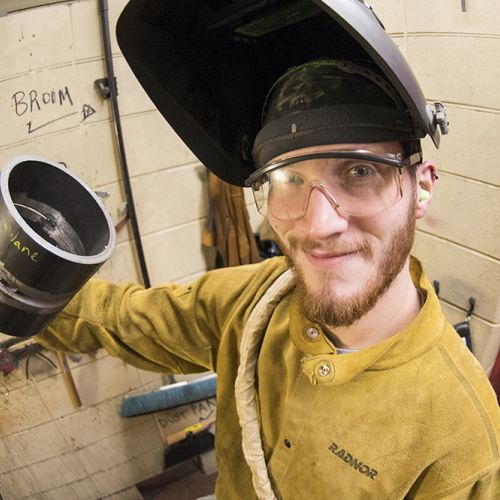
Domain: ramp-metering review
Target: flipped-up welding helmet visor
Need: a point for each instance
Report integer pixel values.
(208, 66)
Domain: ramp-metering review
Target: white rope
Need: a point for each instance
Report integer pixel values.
(245, 391)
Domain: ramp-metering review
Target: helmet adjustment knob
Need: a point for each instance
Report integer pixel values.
(439, 117)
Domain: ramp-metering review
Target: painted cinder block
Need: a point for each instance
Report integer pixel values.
(50, 101)
(35, 39)
(6, 494)
(76, 360)
(16, 378)
(152, 378)
(55, 396)
(463, 211)
(6, 459)
(120, 448)
(20, 483)
(152, 145)
(63, 147)
(462, 273)
(485, 336)
(84, 489)
(86, 28)
(131, 96)
(58, 471)
(99, 153)
(37, 444)
(25, 408)
(38, 104)
(125, 475)
(122, 266)
(55, 99)
(97, 422)
(94, 106)
(175, 252)
(95, 382)
(104, 379)
(446, 16)
(170, 198)
(115, 204)
(478, 129)
(248, 195)
(451, 68)
(255, 217)
(391, 13)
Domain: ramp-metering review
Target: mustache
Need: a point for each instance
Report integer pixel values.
(333, 245)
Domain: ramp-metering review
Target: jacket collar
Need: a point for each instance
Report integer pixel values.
(323, 365)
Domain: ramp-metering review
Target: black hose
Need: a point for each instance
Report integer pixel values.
(103, 7)
(5, 344)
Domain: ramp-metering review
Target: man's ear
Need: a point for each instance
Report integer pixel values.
(425, 177)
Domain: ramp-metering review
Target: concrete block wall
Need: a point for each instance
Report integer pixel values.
(50, 451)
(454, 55)
(50, 107)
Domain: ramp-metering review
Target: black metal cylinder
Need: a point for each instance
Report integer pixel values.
(54, 235)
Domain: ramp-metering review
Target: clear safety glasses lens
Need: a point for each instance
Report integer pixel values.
(353, 186)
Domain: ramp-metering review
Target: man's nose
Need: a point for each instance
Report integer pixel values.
(322, 218)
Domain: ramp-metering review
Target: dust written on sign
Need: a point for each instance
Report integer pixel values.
(198, 411)
(36, 104)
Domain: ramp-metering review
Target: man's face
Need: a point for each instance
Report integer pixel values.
(342, 263)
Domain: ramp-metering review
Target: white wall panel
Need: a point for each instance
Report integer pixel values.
(457, 69)
(471, 148)
(446, 16)
(35, 39)
(462, 273)
(463, 211)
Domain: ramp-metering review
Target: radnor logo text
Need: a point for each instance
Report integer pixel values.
(355, 463)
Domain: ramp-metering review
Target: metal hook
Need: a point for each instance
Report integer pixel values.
(437, 286)
(472, 305)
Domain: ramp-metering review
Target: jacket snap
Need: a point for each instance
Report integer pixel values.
(312, 334)
(324, 369)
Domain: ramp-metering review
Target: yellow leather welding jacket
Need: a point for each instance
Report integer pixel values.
(411, 417)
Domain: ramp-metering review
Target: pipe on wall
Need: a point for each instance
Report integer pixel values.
(113, 94)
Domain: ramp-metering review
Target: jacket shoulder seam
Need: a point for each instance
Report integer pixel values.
(474, 400)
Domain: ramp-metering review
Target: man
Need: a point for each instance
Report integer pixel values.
(338, 374)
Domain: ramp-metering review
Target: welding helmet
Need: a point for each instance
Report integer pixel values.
(208, 67)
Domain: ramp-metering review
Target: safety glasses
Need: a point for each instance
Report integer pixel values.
(357, 183)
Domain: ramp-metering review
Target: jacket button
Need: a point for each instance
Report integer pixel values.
(312, 333)
(287, 443)
(324, 370)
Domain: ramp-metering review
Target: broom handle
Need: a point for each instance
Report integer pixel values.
(68, 380)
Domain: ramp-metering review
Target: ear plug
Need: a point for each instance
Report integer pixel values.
(424, 195)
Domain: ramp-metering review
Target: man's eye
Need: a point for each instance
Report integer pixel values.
(364, 170)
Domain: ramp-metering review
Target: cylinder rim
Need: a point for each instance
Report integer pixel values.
(79, 259)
